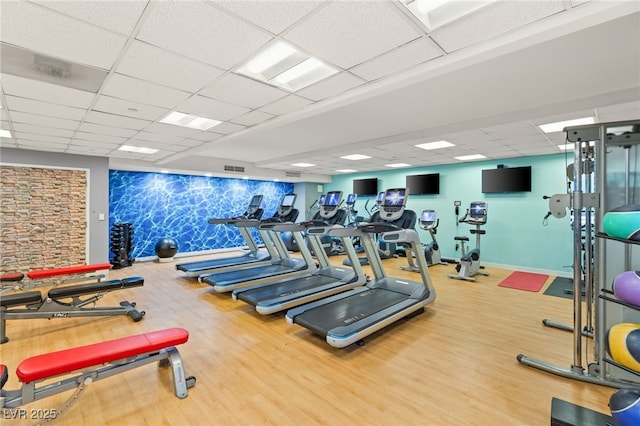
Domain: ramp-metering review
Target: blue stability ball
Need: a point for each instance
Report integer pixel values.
(166, 248)
(625, 407)
(623, 222)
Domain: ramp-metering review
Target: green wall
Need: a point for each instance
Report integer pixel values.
(516, 237)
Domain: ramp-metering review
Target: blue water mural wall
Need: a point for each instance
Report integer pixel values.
(177, 206)
(515, 233)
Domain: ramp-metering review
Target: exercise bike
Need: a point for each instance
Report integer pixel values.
(469, 264)
(428, 222)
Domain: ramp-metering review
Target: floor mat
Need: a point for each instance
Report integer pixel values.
(561, 287)
(526, 281)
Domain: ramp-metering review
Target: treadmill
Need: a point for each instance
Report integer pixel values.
(254, 255)
(284, 266)
(277, 296)
(348, 317)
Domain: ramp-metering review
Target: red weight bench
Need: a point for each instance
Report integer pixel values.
(46, 277)
(90, 363)
(67, 302)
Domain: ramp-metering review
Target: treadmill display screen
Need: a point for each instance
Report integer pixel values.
(478, 209)
(351, 199)
(428, 216)
(288, 200)
(321, 200)
(394, 197)
(332, 199)
(380, 197)
(255, 202)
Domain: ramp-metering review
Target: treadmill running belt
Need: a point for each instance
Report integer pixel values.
(216, 263)
(286, 288)
(241, 275)
(344, 312)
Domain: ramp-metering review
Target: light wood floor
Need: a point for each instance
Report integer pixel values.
(453, 365)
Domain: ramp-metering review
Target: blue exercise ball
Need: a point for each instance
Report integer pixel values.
(166, 248)
(625, 407)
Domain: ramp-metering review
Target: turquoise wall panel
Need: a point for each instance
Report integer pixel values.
(516, 235)
(178, 206)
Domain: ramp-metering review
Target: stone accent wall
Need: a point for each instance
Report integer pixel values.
(43, 215)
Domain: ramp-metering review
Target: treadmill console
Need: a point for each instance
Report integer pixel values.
(393, 204)
(286, 205)
(331, 203)
(380, 198)
(351, 200)
(254, 205)
(428, 219)
(477, 212)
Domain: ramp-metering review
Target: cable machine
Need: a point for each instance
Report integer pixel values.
(611, 152)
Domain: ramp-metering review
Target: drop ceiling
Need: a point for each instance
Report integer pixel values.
(483, 81)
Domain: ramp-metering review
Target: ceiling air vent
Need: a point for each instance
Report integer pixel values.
(233, 169)
(292, 174)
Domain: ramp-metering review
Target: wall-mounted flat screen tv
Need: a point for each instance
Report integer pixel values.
(507, 179)
(365, 187)
(428, 184)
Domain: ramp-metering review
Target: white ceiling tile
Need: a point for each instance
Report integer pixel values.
(133, 89)
(42, 120)
(128, 108)
(243, 91)
(46, 92)
(213, 36)
(228, 128)
(107, 130)
(331, 86)
(40, 29)
(211, 108)
(408, 55)
(205, 137)
(40, 130)
(503, 15)
(94, 144)
(87, 150)
(160, 66)
(274, 16)
(44, 108)
(157, 137)
(170, 129)
(99, 138)
(286, 104)
(252, 118)
(20, 136)
(114, 120)
(3, 114)
(8, 143)
(190, 143)
(118, 16)
(48, 146)
(346, 33)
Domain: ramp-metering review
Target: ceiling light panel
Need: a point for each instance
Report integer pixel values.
(284, 66)
(436, 13)
(435, 145)
(560, 125)
(191, 121)
(302, 165)
(40, 29)
(397, 165)
(5, 133)
(504, 16)
(137, 149)
(355, 157)
(215, 37)
(470, 157)
(347, 33)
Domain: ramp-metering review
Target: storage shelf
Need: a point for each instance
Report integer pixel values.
(622, 240)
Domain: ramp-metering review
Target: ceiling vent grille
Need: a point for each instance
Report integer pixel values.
(233, 169)
(292, 174)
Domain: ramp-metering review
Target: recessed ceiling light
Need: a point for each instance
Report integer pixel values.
(470, 157)
(355, 157)
(435, 145)
(165, 171)
(560, 125)
(5, 133)
(192, 121)
(285, 66)
(435, 13)
(137, 149)
(346, 171)
(303, 165)
(397, 165)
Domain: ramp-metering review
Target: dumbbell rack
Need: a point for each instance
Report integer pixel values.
(121, 238)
